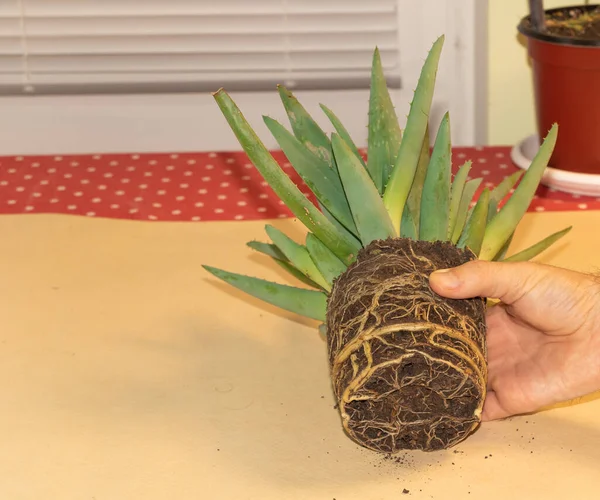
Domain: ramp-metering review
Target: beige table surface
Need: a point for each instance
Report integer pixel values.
(129, 373)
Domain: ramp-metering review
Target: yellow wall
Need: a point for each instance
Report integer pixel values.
(511, 115)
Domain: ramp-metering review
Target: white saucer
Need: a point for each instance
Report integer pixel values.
(570, 182)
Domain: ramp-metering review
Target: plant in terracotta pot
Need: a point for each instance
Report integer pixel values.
(564, 48)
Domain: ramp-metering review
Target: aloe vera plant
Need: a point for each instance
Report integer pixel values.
(408, 367)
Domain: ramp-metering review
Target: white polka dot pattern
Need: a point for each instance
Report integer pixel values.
(196, 186)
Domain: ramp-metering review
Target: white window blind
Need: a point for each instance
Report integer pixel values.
(80, 46)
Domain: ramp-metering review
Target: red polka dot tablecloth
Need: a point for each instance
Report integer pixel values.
(204, 186)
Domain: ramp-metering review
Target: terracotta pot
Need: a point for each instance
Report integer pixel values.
(566, 78)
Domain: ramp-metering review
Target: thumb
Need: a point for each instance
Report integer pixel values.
(506, 281)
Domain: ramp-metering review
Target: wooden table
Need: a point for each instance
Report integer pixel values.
(130, 373)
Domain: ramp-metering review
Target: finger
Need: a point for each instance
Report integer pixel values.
(506, 281)
(492, 409)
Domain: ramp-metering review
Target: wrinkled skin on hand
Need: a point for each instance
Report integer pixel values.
(543, 337)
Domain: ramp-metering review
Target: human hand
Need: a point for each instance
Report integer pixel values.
(543, 338)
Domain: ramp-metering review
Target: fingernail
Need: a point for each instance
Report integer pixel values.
(446, 278)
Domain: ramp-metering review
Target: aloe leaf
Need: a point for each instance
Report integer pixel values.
(285, 265)
(327, 263)
(409, 227)
(456, 192)
(504, 223)
(539, 247)
(368, 211)
(493, 209)
(280, 259)
(297, 255)
(403, 173)
(435, 200)
(282, 185)
(353, 237)
(384, 129)
(305, 128)
(502, 189)
(267, 249)
(316, 173)
(344, 134)
(463, 209)
(308, 303)
(472, 235)
(502, 253)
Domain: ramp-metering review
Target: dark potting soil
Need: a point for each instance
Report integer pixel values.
(408, 366)
(574, 22)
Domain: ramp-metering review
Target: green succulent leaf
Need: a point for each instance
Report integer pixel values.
(342, 230)
(463, 209)
(409, 227)
(435, 200)
(368, 211)
(493, 209)
(502, 189)
(316, 173)
(456, 193)
(286, 266)
(308, 303)
(504, 223)
(327, 263)
(342, 246)
(346, 234)
(281, 260)
(502, 253)
(403, 173)
(472, 236)
(539, 247)
(384, 129)
(305, 128)
(267, 249)
(500, 192)
(344, 134)
(297, 255)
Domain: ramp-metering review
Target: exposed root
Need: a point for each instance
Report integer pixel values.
(408, 367)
